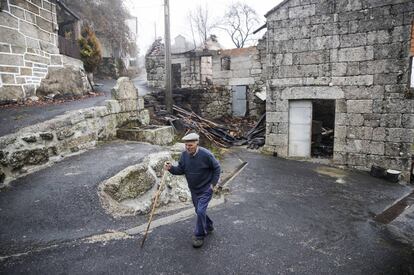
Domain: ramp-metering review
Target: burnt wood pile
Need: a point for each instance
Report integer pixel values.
(322, 140)
(226, 134)
(255, 137)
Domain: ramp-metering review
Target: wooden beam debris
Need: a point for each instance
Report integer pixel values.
(220, 135)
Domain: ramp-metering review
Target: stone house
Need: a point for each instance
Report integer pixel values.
(29, 45)
(181, 45)
(239, 71)
(345, 64)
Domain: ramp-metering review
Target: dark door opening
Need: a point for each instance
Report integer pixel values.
(323, 128)
(176, 76)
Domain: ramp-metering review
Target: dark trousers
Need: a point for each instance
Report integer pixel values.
(200, 202)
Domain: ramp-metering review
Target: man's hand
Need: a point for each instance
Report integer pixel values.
(167, 165)
(217, 189)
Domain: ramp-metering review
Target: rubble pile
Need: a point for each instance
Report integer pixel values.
(157, 48)
(322, 140)
(224, 131)
(230, 131)
(220, 135)
(256, 136)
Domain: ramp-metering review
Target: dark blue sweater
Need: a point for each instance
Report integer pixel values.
(201, 170)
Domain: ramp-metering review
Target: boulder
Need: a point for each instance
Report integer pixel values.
(130, 183)
(125, 90)
(68, 81)
(11, 94)
(131, 191)
(156, 162)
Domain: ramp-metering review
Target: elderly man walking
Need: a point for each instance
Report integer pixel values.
(202, 171)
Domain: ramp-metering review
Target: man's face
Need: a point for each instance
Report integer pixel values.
(191, 147)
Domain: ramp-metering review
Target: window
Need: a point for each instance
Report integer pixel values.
(225, 63)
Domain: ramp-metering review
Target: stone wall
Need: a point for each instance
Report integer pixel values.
(28, 46)
(209, 102)
(356, 52)
(246, 70)
(203, 69)
(154, 66)
(36, 146)
(190, 70)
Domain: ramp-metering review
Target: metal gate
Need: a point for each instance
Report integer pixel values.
(300, 128)
(239, 101)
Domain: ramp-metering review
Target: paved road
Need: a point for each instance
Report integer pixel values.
(282, 217)
(14, 118)
(61, 203)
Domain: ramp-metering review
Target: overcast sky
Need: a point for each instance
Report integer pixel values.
(151, 14)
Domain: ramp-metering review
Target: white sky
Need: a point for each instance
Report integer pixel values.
(151, 13)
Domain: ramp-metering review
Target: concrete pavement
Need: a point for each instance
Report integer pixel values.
(282, 217)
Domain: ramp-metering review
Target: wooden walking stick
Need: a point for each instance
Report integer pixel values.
(154, 206)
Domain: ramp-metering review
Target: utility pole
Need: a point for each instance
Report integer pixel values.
(167, 38)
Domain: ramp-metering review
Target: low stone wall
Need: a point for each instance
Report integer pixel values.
(209, 102)
(37, 146)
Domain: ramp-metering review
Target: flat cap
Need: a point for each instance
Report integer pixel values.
(191, 137)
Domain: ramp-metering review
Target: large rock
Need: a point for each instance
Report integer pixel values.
(124, 90)
(130, 183)
(131, 191)
(11, 93)
(68, 82)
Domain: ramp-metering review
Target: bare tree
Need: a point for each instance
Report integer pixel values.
(240, 20)
(201, 22)
(192, 29)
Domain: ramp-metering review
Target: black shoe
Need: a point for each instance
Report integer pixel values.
(197, 242)
(210, 230)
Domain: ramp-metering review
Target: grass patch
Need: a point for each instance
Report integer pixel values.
(218, 152)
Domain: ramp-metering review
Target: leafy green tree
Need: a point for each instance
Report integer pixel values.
(90, 50)
(107, 18)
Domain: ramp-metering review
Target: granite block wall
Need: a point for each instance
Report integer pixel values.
(356, 52)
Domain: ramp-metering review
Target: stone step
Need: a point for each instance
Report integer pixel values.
(154, 134)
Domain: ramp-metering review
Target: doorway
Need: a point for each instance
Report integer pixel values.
(176, 76)
(311, 128)
(323, 128)
(239, 100)
(300, 127)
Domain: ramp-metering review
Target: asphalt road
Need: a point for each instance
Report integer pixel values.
(61, 203)
(281, 217)
(14, 118)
